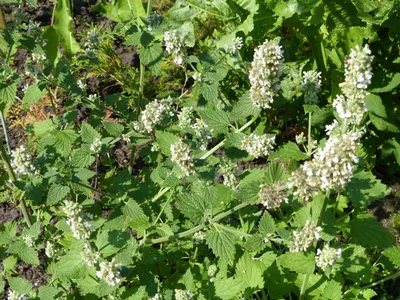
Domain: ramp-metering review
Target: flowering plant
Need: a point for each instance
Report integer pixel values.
(236, 153)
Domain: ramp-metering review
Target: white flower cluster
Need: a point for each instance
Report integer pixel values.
(14, 295)
(180, 154)
(51, 250)
(331, 168)
(264, 74)
(305, 237)
(258, 145)
(174, 45)
(199, 236)
(228, 170)
(109, 272)
(202, 133)
(237, 44)
(92, 43)
(212, 271)
(34, 30)
(327, 256)
(155, 297)
(153, 115)
(28, 240)
(183, 295)
(185, 117)
(21, 162)
(96, 146)
(358, 74)
(81, 229)
(273, 196)
(311, 85)
(90, 257)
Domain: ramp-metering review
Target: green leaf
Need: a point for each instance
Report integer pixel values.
(287, 152)
(152, 57)
(194, 206)
(51, 47)
(355, 263)
(81, 158)
(110, 242)
(227, 288)
(250, 271)
(374, 12)
(368, 231)
(25, 253)
(137, 218)
(215, 119)
(274, 172)
(114, 128)
(332, 291)
(49, 293)
(43, 127)
(7, 233)
(20, 285)
(64, 26)
(9, 263)
(299, 262)
(267, 224)
(71, 265)
(364, 188)
(89, 134)
(383, 124)
(64, 140)
(32, 95)
(57, 192)
(394, 255)
(8, 93)
(129, 9)
(222, 243)
(209, 90)
(375, 105)
(165, 140)
(394, 83)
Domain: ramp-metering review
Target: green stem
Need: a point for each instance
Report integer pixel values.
(142, 66)
(24, 210)
(205, 156)
(162, 210)
(319, 222)
(199, 227)
(149, 5)
(132, 158)
(3, 122)
(309, 134)
(393, 276)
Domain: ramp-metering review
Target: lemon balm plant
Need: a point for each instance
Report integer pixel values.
(217, 197)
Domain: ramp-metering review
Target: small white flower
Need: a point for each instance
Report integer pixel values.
(109, 273)
(14, 295)
(272, 196)
(202, 133)
(264, 74)
(305, 237)
(199, 236)
(237, 44)
(96, 146)
(258, 145)
(327, 256)
(153, 114)
(180, 154)
(183, 295)
(174, 45)
(21, 162)
(50, 250)
(311, 85)
(89, 256)
(29, 240)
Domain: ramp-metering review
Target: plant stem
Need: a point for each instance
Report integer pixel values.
(393, 276)
(131, 159)
(205, 156)
(3, 122)
(11, 174)
(319, 222)
(309, 134)
(201, 226)
(149, 6)
(2, 19)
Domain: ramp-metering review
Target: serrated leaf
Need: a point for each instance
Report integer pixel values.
(332, 291)
(89, 134)
(364, 188)
(394, 255)
(32, 95)
(194, 206)
(64, 26)
(299, 262)
(227, 288)
(250, 271)
(287, 152)
(267, 224)
(368, 231)
(165, 140)
(49, 293)
(222, 243)
(20, 285)
(82, 158)
(394, 82)
(217, 120)
(64, 140)
(128, 9)
(110, 242)
(25, 253)
(9, 263)
(7, 232)
(71, 266)
(8, 94)
(114, 128)
(57, 192)
(152, 57)
(43, 127)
